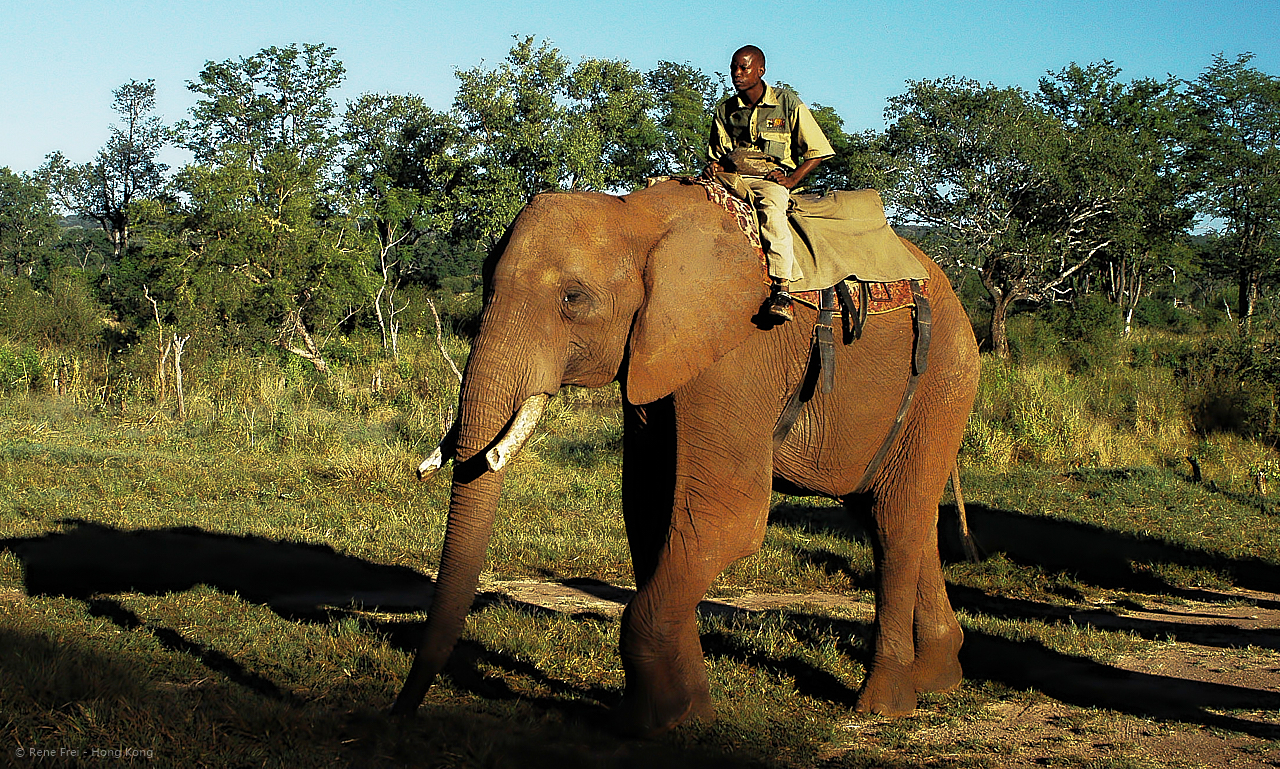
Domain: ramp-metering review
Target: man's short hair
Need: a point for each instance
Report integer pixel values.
(753, 50)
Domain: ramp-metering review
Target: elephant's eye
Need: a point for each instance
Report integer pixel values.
(574, 301)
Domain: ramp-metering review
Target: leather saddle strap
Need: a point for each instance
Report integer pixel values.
(824, 337)
(923, 316)
(854, 321)
(799, 396)
(821, 363)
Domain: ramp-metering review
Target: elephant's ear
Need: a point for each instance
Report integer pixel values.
(703, 285)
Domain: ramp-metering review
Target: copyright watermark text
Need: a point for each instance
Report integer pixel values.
(91, 753)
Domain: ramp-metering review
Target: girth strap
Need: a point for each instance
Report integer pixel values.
(822, 362)
(923, 315)
(824, 337)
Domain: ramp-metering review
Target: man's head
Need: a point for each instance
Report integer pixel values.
(746, 70)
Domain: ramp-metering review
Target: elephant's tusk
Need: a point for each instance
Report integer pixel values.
(443, 453)
(521, 428)
(431, 464)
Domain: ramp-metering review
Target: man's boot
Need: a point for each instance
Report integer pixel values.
(779, 302)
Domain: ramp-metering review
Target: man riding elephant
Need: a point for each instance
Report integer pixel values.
(769, 137)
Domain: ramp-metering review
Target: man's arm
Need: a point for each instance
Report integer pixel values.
(792, 180)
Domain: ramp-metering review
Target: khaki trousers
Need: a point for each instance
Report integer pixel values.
(771, 202)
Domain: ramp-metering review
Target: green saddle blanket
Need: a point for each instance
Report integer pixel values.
(843, 234)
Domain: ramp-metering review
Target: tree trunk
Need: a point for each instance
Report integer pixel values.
(1248, 300)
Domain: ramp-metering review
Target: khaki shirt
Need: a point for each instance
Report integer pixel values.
(778, 125)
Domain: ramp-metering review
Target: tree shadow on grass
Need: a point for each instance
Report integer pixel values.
(315, 583)
(1091, 554)
(1027, 665)
(1104, 557)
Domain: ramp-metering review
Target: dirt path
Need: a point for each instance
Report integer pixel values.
(1211, 681)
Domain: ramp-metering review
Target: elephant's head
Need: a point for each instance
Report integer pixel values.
(650, 288)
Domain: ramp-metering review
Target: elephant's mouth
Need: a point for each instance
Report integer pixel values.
(503, 451)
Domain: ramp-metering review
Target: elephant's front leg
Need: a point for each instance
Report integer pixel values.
(695, 499)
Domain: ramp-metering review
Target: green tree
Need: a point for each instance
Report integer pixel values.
(126, 170)
(684, 99)
(1235, 154)
(275, 101)
(1121, 164)
(406, 168)
(518, 121)
(28, 224)
(540, 124)
(258, 246)
(611, 141)
(972, 164)
(859, 162)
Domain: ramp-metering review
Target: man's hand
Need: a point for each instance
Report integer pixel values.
(792, 180)
(711, 170)
(778, 177)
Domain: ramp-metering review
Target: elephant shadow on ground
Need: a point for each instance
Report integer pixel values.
(300, 582)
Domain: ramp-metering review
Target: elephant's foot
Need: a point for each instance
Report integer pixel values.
(651, 715)
(936, 677)
(937, 664)
(888, 691)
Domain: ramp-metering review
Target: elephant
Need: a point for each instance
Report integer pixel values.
(659, 289)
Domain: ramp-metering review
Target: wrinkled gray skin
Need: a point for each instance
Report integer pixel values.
(657, 289)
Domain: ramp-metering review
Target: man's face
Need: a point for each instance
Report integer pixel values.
(745, 70)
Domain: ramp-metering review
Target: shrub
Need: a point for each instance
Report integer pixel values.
(20, 369)
(1091, 333)
(63, 313)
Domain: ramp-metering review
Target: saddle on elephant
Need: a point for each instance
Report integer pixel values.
(851, 257)
(840, 237)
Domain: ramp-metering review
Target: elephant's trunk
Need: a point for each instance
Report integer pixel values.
(471, 511)
(477, 484)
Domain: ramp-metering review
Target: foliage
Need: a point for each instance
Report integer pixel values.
(1029, 190)
(405, 166)
(60, 312)
(126, 171)
(976, 163)
(28, 225)
(1234, 147)
(685, 99)
(1126, 139)
(275, 101)
(247, 250)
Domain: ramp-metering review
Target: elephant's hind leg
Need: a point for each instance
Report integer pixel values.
(898, 540)
(917, 636)
(937, 634)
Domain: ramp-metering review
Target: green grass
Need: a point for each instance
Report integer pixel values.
(240, 587)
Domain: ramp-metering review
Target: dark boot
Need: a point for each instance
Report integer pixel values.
(779, 303)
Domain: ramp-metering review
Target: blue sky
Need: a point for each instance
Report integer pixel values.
(60, 61)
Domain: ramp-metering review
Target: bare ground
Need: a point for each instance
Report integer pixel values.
(1210, 687)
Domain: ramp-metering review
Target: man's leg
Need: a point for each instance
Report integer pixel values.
(772, 201)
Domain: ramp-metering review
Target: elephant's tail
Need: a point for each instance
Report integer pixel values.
(972, 553)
